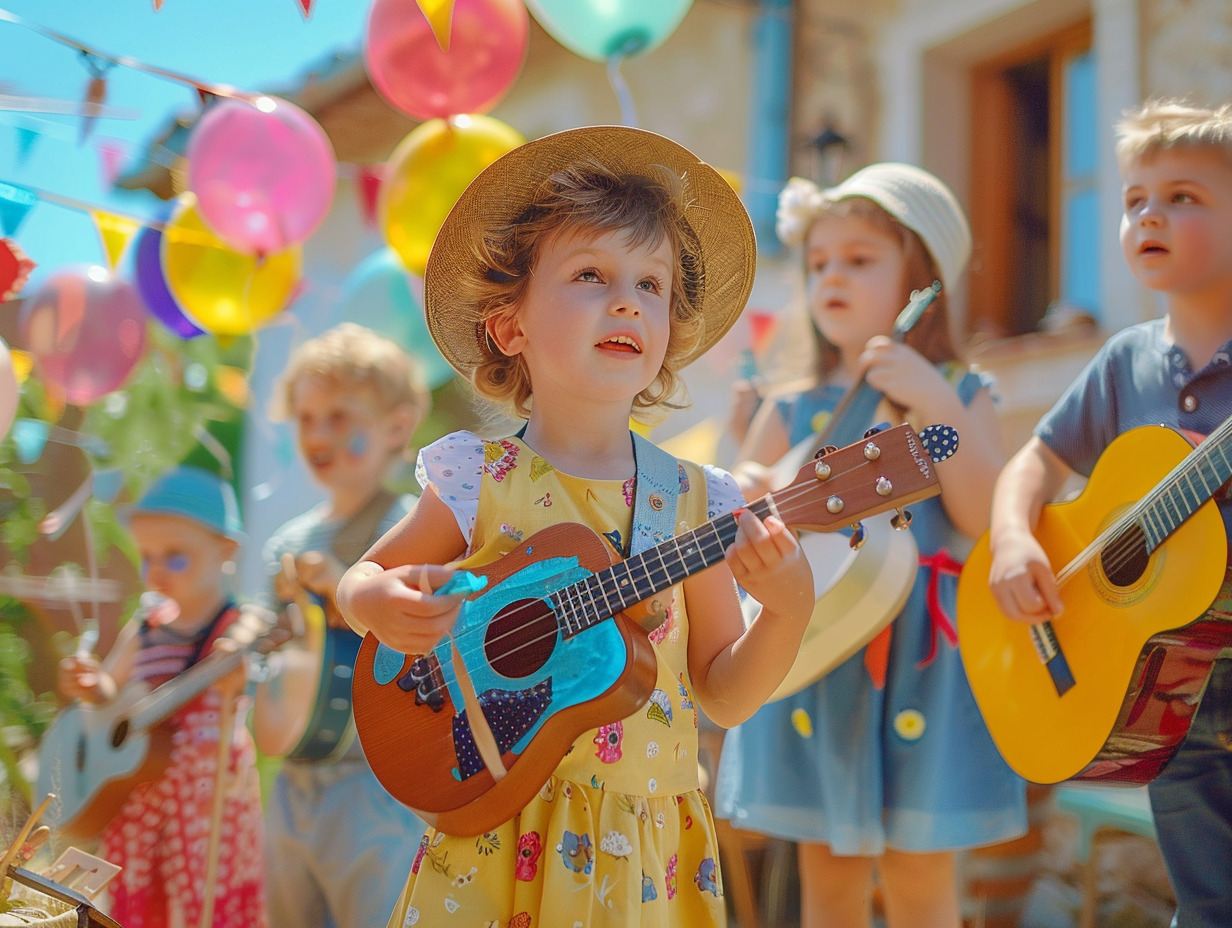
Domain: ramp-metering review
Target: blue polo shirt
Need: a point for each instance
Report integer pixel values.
(1138, 378)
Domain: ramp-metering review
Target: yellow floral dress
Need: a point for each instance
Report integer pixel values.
(621, 834)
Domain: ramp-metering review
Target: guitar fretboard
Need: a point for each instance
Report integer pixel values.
(1190, 484)
(600, 596)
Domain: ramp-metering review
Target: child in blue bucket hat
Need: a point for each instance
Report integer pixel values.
(198, 495)
(187, 529)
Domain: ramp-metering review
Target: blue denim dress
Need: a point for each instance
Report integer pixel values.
(860, 768)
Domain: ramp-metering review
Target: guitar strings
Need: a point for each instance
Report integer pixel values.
(786, 506)
(783, 501)
(1127, 550)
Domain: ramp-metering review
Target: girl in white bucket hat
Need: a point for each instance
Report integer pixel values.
(883, 765)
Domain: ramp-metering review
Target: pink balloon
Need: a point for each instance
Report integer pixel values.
(487, 45)
(263, 172)
(87, 329)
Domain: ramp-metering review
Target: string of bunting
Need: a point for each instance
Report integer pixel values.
(96, 55)
(115, 229)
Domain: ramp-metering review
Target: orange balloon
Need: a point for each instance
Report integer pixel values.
(428, 172)
(224, 291)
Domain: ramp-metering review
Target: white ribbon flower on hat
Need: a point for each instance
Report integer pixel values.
(800, 203)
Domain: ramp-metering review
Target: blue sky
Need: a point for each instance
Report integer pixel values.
(250, 44)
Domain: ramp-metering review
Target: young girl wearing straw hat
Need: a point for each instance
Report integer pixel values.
(572, 281)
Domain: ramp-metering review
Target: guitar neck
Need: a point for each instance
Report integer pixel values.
(1190, 484)
(623, 585)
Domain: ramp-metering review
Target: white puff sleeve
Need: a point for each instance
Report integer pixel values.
(452, 467)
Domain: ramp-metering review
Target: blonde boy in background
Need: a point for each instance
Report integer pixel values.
(1176, 234)
(337, 844)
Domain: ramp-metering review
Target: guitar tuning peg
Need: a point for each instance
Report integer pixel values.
(879, 427)
(856, 542)
(900, 520)
(826, 449)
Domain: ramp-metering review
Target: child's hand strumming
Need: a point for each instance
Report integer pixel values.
(400, 607)
(1021, 578)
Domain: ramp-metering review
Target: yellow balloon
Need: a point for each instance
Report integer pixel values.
(224, 291)
(427, 173)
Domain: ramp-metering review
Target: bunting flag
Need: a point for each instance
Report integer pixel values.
(110, 154)
(440, 18)
(370, 177)
(762, 323)
(116, 232)
(15, 269)
(15, 203)
(96, 96)
(158, 5)
(26, 137)
(23, 364)
(306, 5)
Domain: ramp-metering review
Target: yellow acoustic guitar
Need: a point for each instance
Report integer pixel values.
(1107, 689)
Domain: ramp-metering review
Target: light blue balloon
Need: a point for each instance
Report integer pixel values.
(600, 29)
(378, 294)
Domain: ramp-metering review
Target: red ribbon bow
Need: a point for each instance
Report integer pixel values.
(877, 651)
(940, 563)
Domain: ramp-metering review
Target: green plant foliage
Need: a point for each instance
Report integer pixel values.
(184, 401)
(24, 715)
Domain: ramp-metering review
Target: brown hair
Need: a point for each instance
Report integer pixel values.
(931, 335)
(353, 356)
(589, 197)
(1160, 124)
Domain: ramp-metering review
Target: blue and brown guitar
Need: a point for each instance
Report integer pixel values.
(468, 733)
(1106, 691)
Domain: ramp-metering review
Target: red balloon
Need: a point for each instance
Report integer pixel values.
(407, 66)
(87, 329)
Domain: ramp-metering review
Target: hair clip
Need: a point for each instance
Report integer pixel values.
(499, 277)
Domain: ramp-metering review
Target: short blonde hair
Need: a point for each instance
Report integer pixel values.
(586, 197)
(352, 356)
(1160, 124)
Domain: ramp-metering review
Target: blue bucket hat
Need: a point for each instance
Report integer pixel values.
(194, 494)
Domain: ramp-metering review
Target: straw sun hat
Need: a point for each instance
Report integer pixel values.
(506, 187)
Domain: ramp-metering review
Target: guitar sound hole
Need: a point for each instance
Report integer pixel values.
(1124, 559)
(119, 734)
(521, 638)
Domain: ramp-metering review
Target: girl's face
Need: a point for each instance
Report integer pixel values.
(594, 321)
(856, 279)
(181, 559)
(344, 436)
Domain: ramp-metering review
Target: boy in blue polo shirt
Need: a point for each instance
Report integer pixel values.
(1176, 234)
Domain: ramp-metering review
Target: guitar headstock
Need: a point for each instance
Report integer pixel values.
(886, 470)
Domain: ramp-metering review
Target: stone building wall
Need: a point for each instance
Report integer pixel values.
(1185, 49)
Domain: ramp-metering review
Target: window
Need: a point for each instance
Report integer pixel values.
(1034, 204)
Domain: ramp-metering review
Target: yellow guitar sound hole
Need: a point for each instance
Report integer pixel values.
(1123, 587)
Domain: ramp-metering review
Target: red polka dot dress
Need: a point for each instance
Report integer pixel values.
(161, 834)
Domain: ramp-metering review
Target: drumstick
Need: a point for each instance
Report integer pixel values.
(310, 605)
(15, 847)
(226, 728)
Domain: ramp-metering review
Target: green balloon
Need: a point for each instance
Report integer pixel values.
(601, 29)
(378, 294)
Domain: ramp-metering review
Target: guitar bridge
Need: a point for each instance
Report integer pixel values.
(427, 682)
